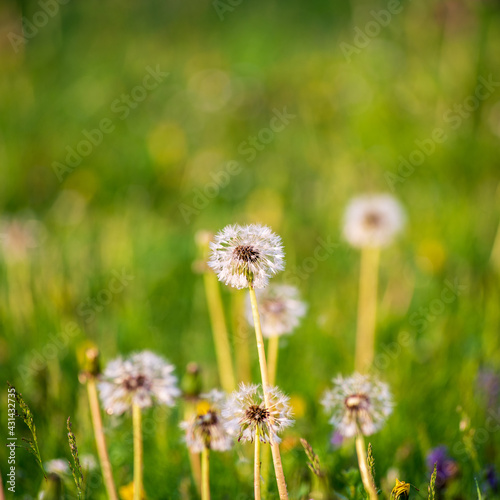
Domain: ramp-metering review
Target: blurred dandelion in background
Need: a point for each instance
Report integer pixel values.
(206, 428)
(359, 403)
(141, 379)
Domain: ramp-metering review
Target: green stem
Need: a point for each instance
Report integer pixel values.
(363, 467)
(219, 329)
(100, 441)
(256, 466)
(367, 308)
(205, 474)
(278, 467)
(273, 348)
(138, 457)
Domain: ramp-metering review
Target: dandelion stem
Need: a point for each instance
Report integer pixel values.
(363, 467)
(100, 440)
(219, 329)
(138, 457)
(278, 467)
(205, 474)
(256, 466)
(367, 308)
(194, 458)
(273, 347)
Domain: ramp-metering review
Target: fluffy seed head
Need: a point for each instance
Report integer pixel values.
(206, 429)
(373, 221)
(247, 415)
(358, 402)
(246, 256)
(280, 309)
(143, 378)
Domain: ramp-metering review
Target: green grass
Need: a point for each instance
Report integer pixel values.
(119, 210)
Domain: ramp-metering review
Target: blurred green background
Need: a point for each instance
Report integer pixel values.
(360, 94)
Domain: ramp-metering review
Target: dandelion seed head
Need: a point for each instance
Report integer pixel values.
(206, 428)
(244, 256)
(143, 378)
(280, 309)
(247, 415)
(373, 221)
(359, 401)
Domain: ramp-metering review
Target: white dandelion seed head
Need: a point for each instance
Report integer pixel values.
(280, 309)
(58, 466)
(244, 256)
(358, 401)
(143, 378)
(207, 427)
(246, 412)
(373, 220)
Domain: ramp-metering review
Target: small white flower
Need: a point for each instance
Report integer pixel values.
(246, 256)
(207, 427)
(142, 378)
(58, 466)
(358, 401)
(280, 309)
(247, 414)
(373, 221)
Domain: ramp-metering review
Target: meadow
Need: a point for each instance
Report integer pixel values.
(125, 130)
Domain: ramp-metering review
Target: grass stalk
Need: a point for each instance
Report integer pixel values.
(367, 308)
(278, 467)
(100, 441)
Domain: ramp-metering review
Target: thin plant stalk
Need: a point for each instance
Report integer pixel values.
(219, 329)
(363, 467)
(241, 337)
(256, 466)
(273, 348)
(138, 451)
(205, 474)
(100, 441)
(278, 467)
(367, 308)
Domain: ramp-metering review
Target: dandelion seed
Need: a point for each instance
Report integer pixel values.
(280, 310)
(247, 415)
(358, 402)
(141, 379)
(246, 256)
(373, 221)
(206, 429)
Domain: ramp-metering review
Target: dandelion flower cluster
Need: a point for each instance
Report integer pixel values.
(373, 221)
(359, 401)
(142, 379)
(206, 429)
(246, 256)
(247, 415)
(280, 309)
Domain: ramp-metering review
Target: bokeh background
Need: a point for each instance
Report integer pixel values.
(360, 96)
